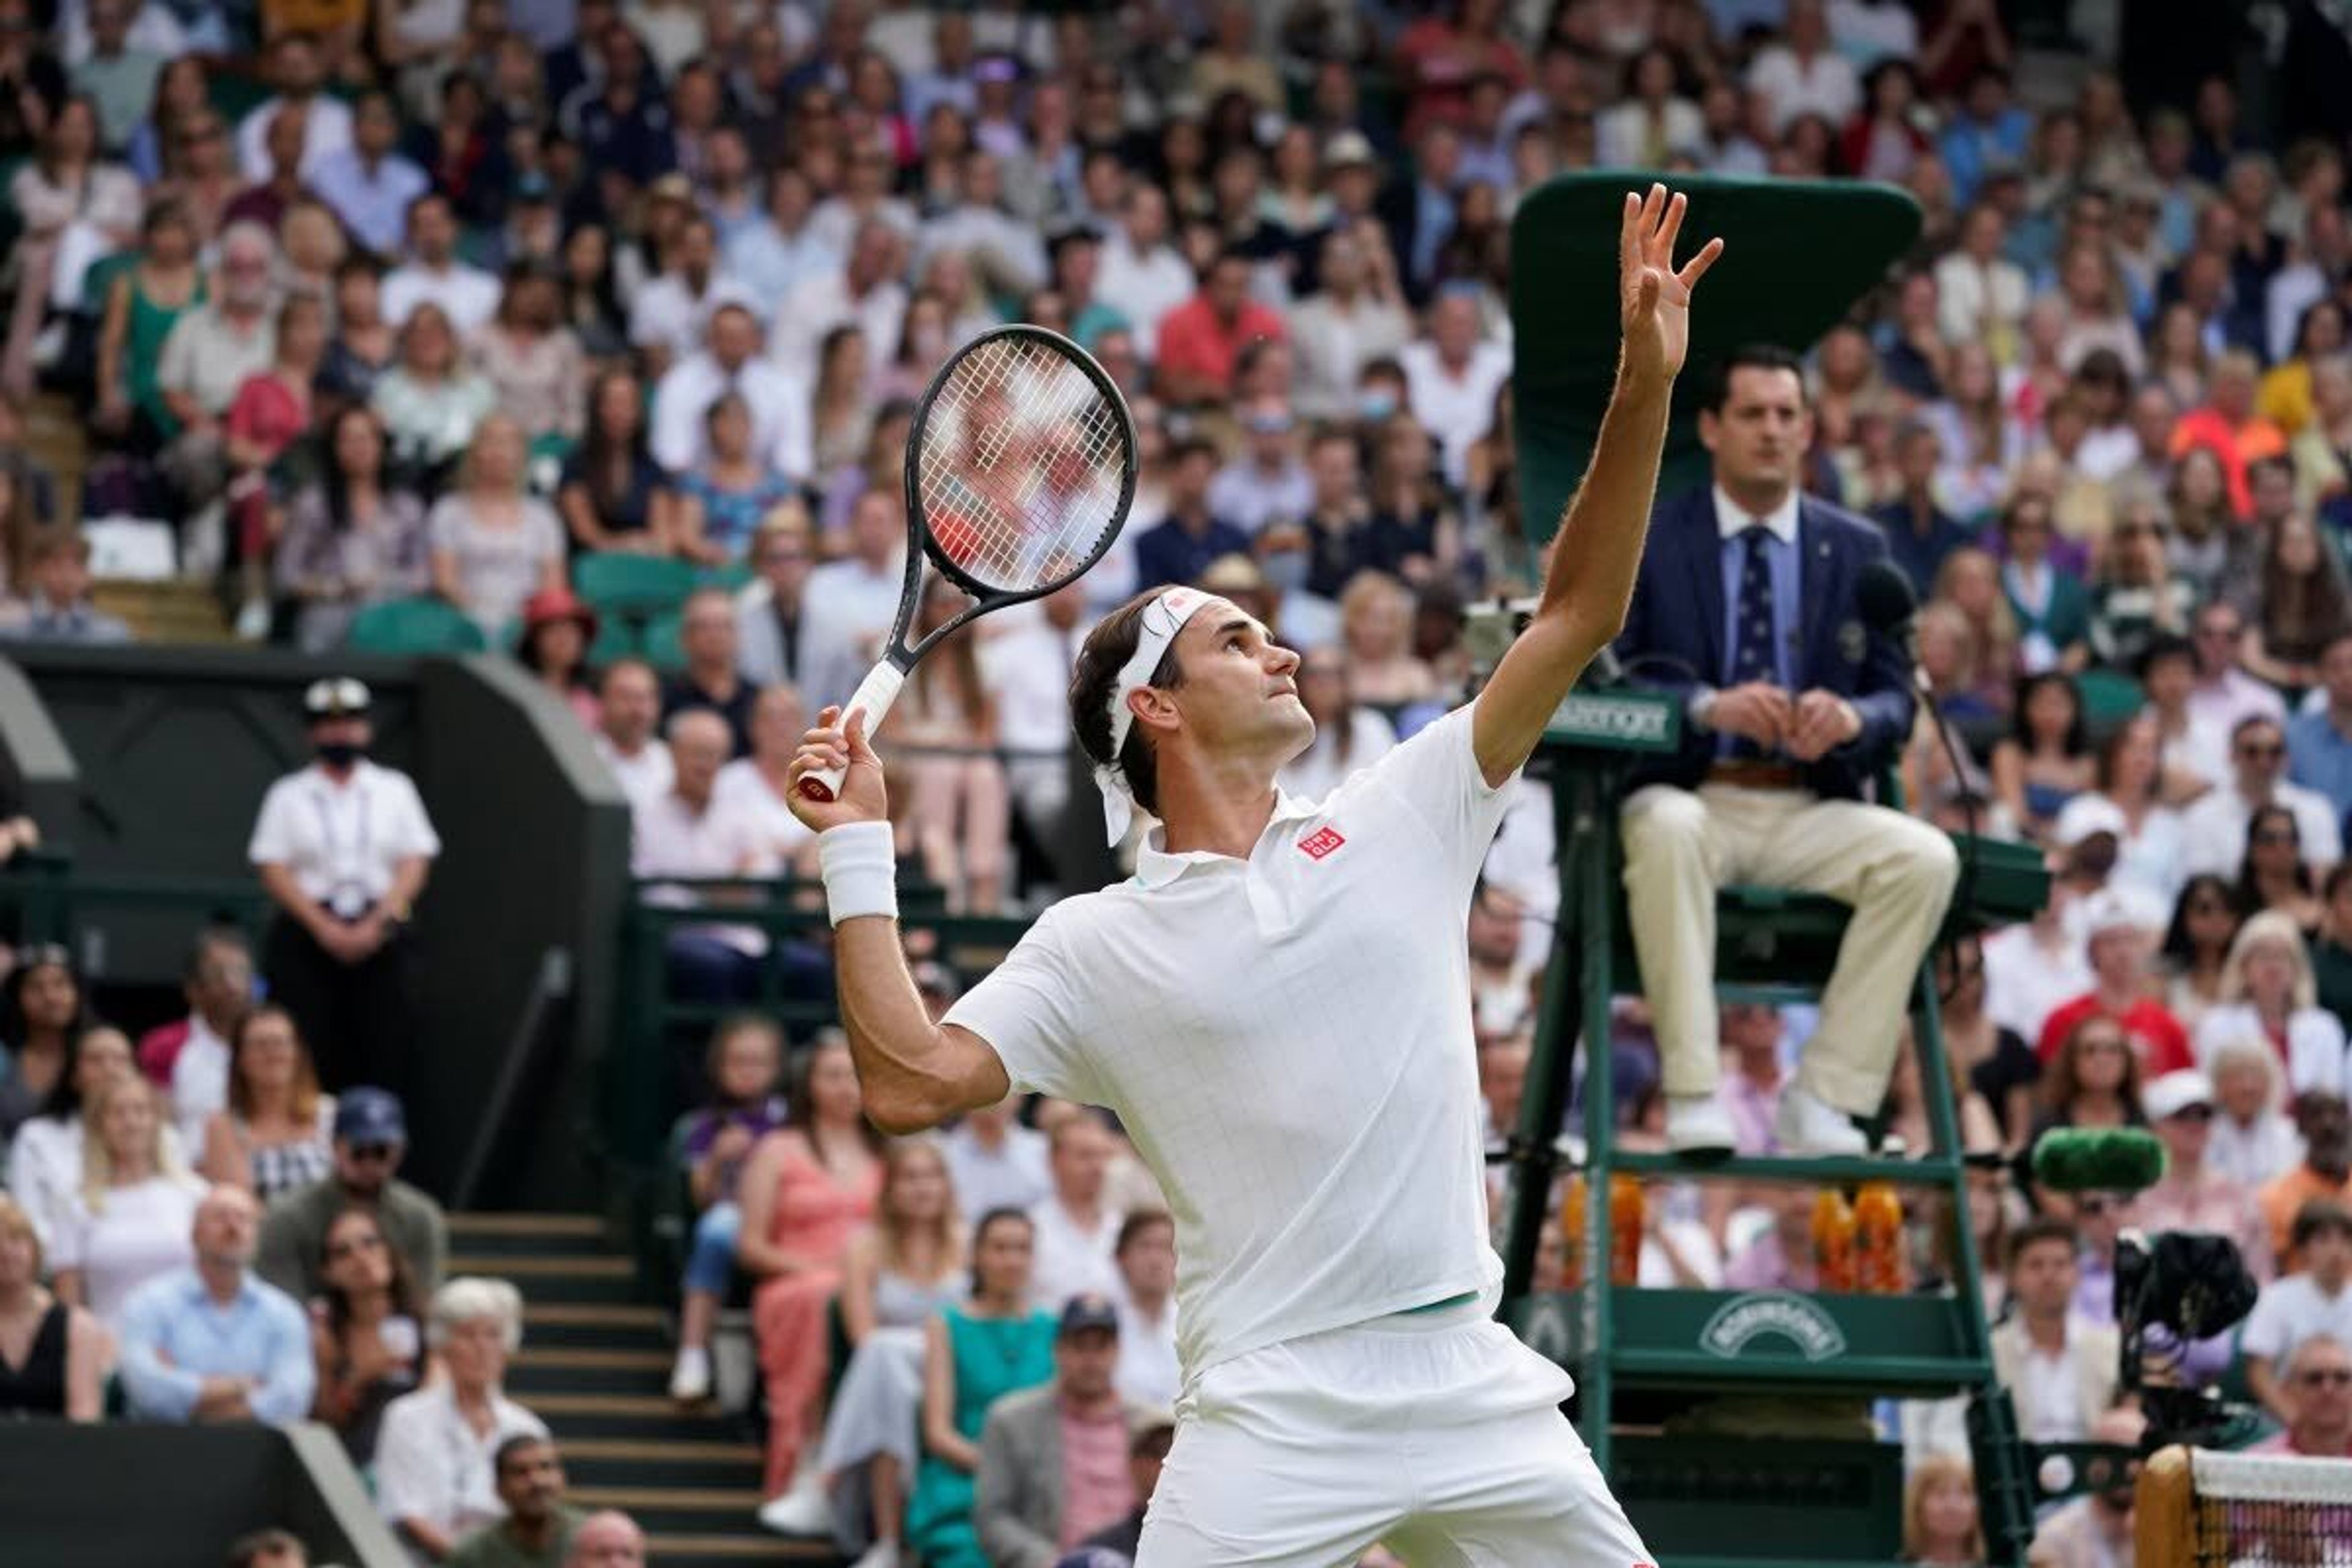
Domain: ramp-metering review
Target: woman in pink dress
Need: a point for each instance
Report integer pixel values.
(809, 1187)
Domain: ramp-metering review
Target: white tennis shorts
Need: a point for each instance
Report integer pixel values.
(1437, 1434)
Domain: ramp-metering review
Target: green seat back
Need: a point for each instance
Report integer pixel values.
(620, 584)
(662, 646)
(1797, 255)
(416, 626)
(2109, 697)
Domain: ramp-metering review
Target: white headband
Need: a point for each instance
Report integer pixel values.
(1162, 619)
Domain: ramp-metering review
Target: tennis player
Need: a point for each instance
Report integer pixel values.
(1277, 1007)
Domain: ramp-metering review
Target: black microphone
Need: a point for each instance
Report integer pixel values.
(1883, 596)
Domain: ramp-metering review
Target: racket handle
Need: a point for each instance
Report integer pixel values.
(874, 696)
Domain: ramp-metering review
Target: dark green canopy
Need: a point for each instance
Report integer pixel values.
(1796, 257)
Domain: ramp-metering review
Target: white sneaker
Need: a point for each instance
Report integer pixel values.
(881, 1554)
(1697, 1124)
(1806, 1125)
(804, 1508)
(689, 1381)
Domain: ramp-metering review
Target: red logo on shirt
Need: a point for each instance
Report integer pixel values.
(1321, 842)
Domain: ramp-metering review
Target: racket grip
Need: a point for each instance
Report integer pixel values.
(874, 696)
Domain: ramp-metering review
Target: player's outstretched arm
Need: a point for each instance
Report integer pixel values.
(1590, 582)
(915, 1074)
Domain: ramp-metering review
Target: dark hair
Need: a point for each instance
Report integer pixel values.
(2060, 1082)
(333, 483)
(46, 955)
(210, 941)
(2163, 645)
(2318, 1214)
(742, 1022)
(1750, 356)
(800, 1104)
(509, 1446)
(990, 1219)
(2032, 1233)
(2077, 738)
(2249, 896)
(608, 469)
(64, 1099)
(305, 1107)
(1095, 680)
(1137, 1222)
(247, 1550)
(2177, 945)
(406, 1300)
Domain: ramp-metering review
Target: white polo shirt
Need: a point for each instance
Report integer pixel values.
(1287, 1042)
(343, 841)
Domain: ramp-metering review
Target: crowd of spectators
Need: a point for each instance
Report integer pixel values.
(366, 303)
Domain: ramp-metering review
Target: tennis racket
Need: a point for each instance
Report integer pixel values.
(1020, 470)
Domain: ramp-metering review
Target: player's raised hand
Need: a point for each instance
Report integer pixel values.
(1654, 298)
(833, 744)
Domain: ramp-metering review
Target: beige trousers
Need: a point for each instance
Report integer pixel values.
(1894, 870)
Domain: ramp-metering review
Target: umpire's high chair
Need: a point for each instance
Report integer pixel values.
(1650, 1365)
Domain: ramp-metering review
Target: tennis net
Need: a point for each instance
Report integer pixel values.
(2200, 1509)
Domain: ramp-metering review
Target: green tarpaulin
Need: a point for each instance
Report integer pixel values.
(1797, 255)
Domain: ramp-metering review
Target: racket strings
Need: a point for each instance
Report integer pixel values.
(1021, 464)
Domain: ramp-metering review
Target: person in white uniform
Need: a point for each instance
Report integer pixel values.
(1291, 1058)
(342, 847)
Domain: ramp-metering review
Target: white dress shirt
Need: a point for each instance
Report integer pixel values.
(1455, 408)
(1016, 1174)
(849, 611)
(779, 405)
(467, 295)
(1148, 1371)
(742, 790)
(430, 1465)
(343, 841)
(1824, 85)
(818, 304)
(2213, 829)
(2220, 705)
(1249, 498)
(668, 313)
(1970, 296)
(199, 1080)
(671, 839)
(1067, 1258)
(1331, 345)
(326, 131)
(1027, 672)
(2025, 982)
(644, 776)
(1142, 286)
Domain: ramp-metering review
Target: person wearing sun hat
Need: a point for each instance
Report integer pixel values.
(558, 630)
(2193, 1195)
(343, 847)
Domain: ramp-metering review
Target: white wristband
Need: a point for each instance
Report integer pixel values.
(861, 870)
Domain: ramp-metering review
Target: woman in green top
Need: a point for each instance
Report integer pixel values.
(973, 1356)
(145, 301)
(2331, 954)
(2054, 613)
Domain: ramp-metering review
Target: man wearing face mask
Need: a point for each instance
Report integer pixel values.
(343, 848)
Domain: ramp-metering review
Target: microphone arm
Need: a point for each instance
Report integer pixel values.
(1888, 605)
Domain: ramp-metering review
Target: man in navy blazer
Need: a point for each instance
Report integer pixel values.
(1744, 607)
